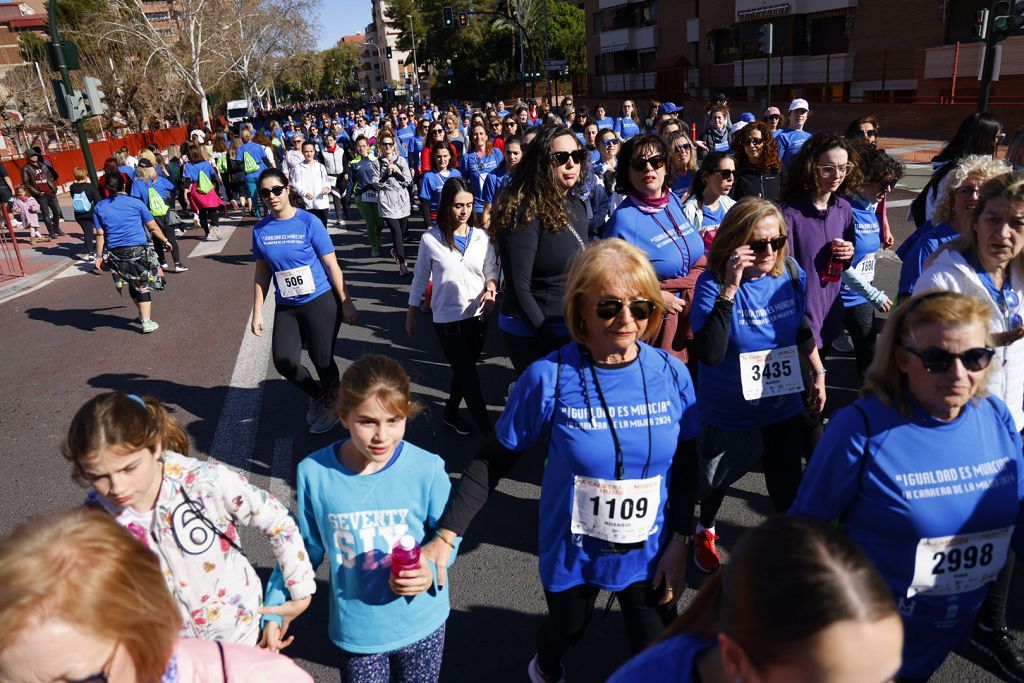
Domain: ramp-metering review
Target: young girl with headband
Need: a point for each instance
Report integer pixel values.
(132, 454)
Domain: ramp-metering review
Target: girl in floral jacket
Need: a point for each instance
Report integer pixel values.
(129, 451)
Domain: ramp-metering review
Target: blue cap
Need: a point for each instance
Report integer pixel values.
(747, 117)
(668, 108)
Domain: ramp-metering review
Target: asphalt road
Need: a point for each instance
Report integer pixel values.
(72, 338)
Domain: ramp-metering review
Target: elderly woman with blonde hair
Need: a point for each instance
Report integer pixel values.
(83, 600)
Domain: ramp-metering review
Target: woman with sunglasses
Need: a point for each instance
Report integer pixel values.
(866, 128)
(510, 126)
(651, 218)
(952, 217)
(609, 520)
(684, 163)
(292, 247)
(628, 123)
(751, 365)
(479, 161)
(758, 168)
(540, 224)
(392, 178)
(608, 146)
(709, 199)
(84, 601)
(820, 225)
(436, 134)
(924, 472)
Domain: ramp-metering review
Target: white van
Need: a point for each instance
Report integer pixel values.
(238, 110)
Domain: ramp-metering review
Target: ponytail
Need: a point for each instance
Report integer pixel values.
(125, 422)
(702, 615)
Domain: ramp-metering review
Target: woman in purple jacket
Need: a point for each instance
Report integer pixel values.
(821, 226)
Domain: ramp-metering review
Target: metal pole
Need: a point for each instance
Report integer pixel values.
(956, 64)
(42, 85)
(547, 54)
(522, 44)
(988, 66)
(415, 64)
(769, 80)
(65, 77)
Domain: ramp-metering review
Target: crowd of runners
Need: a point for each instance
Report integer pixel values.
(666, 301)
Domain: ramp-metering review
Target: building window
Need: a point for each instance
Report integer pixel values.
(157, 16)
(599, 22)
(634, 16)
(599, 65)
(724, 45)
(822, 33)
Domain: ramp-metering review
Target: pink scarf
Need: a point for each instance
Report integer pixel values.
(649, 205)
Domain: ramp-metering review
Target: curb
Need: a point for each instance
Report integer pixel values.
(23, 284)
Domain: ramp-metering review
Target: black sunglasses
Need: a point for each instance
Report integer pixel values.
(866, 134)
(265, 192)
(641, 309)
(685, 147)
(759, 246)
(610, 142)
(656, 162)
(726, 173)
(940, 360)
(562, 158)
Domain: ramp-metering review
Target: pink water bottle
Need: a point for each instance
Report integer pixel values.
(405, 555)
(834, 270)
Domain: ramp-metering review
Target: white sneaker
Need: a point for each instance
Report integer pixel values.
(538, 676)
(326, 420)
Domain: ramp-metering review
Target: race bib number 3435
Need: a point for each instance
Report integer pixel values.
(770, 373)
(949, 565)
(617, 511)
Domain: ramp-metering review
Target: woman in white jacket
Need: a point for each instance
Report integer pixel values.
(460, 261)
(311, 182)
(393, 178)
(131, 453)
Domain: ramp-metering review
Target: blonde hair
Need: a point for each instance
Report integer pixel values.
(124, 422)
(380, 377)
(80, 173)
(1003, 186)
(976, 164)
(608, 261)
(884, 380)
(146, 153)
(81, 567)
(736, 230)
(147, 172)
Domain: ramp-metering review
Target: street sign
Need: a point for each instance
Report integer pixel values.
(555, 64)
(70, 53)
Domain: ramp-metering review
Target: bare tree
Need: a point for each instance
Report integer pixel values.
(264, 33)
(22, 93)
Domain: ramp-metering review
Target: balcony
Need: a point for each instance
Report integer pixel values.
(628, 82)
(605, 4)
(624, 39)
(749, 10)
(837, 68)
(938, 61)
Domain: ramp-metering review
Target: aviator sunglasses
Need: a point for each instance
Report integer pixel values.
(939, 360)
(641, 309)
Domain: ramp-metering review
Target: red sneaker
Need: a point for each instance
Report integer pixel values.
(705, 555)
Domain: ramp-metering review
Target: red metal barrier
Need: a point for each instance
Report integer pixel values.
(65, 162)
(11, 265)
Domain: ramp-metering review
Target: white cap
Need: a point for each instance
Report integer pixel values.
(799, 103)
(736, 127)
(198, 133)
(407, 542)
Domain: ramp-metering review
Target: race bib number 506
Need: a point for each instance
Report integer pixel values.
(295, 282)
(617, 511)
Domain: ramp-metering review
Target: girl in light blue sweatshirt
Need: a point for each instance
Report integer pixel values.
(356, 499)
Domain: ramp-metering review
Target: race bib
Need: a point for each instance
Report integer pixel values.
(770, 373)
(951, 565)
(866, 268)
(617, 511)
(295, 282)
(369, 196)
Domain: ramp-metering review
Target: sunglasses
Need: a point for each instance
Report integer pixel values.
(760, 246)
(866, 134)
(609, 143)
(562, 158)
(641, 309)
(387, 144)
(753, 142)
(775, 117)
(726, 173)
(937, 361)
(685, 147)
(437, 131)
(265, 192)
(656, 162)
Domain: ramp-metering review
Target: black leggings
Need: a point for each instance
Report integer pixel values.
(316, 324)
(462, 342)
(321, 214)
(524, 350)
(158, 244)
(208, 218)
(782, 463)
(398, 226)
(860, 324)
(88, 230)
(569, 612)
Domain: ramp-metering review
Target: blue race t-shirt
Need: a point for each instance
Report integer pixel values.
(256, 151)
(670, 241)
(291, 244)
(920, 251)
(121, 218)
(671, 660)
(681, 184)
(433, 183)
(867, 241)
(495, 183)
(766, 315)
(626, 127)
(922, 482)
(653, 401)
(476, 168)
(191, 171)
(163, 187)
(710, 220)
(790, 142)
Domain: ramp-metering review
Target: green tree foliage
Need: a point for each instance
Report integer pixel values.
(337, 79)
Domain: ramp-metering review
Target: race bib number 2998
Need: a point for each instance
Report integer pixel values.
(949, 565)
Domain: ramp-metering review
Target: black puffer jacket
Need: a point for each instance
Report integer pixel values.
(751, 182)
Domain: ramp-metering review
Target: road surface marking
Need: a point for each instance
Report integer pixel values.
(896, 203)
(212, 248)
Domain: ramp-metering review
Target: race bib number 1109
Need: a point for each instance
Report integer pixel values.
(617, 511)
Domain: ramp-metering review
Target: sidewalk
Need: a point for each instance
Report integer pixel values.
(911, 150)
(45, 259)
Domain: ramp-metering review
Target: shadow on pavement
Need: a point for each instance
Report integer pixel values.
(88, 320)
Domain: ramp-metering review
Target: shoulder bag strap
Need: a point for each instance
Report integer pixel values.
(223, 664)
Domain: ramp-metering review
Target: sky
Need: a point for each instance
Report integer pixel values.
(340, 18)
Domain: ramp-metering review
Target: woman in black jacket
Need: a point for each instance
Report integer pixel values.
(540, 224)
(758, 168)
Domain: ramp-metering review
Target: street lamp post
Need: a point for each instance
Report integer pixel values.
(415, 64)
(380, 65)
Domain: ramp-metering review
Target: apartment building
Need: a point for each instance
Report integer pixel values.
(377, 71)
(824, 50)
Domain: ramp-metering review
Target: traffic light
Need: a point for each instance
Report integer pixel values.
(388, 51)
(764, 38)
(1008, 18)
(94, 96)
(449, 20)
(980, 29)
(463, 19)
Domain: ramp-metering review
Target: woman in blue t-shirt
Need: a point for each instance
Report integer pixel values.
(204, 198)
(709, 195)
(434, 179)
(628, 123)
(751, 341)
(292, 247)
(155, 192)
(611, 515)
(684, 163)
(481, 158)
(651, 218)
(797, 602)
(925, 472)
